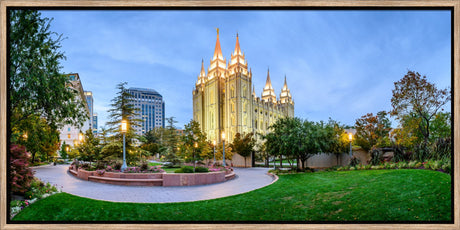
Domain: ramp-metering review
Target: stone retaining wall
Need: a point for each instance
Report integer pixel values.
(153, 179)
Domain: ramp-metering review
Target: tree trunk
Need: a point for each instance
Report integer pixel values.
(245, 162)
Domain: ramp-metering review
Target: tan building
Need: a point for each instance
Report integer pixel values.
(71, 134)
(224, 99)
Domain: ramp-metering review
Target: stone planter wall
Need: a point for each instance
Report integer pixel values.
(153, 179)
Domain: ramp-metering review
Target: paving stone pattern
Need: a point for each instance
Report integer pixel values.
(247, 179)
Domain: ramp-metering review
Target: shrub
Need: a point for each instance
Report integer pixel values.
(412, 164)
(354, 161)
(38, 189)
(185, 169)
(117, 165)
(401, 165)
(201, 169)
(85, 166)
(446, 167)
(20, 174)
(143, 166)
(100, 165)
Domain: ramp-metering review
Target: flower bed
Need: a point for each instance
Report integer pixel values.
(134, 178)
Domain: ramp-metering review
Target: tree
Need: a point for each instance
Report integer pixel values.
(194, 144)
(89, 149)
(243, 146)
(372, 131)
(37, 136)
(151, 141)
(20, 174)
(313, 140)
(63, 151)
(123, 109)
(170, 141)
(37, 87)
(414, 96)
(337, 139)
(301, 139)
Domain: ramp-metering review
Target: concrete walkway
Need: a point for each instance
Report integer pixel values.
(247, 179)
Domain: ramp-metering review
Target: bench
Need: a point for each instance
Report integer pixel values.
(125, 181)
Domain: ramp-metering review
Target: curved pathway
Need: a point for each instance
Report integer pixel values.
(247, 179)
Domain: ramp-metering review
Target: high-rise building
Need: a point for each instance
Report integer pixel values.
(94, 123)
(90, 103)
(150, 109)
(71, 134)
(224, 99)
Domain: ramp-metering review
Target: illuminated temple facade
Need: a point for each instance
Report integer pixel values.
(224, 99)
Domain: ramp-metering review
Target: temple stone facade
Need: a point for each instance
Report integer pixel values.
(224, 98)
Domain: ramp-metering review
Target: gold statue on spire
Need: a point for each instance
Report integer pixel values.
(217, 31)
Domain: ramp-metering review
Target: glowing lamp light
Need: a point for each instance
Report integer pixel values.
(124, 126)
(350, 136)
(196, 145)
(223, 136)
(214, 142)
(80, 137)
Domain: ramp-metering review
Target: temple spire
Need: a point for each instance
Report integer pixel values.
(217, 50)
(285, 95)
(237, 46)
(269, 93)
(202, 73)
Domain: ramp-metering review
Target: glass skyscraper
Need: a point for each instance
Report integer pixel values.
(151, 109)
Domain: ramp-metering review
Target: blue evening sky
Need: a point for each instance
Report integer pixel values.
(340, 63)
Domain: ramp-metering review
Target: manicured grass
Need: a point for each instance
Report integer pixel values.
(372, 195)
(154, 164)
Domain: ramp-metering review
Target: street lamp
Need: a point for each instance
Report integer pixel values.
(194, 162)
(214, 151)
(80, 137)
(223, 149)
(350, 138)
(124, 128)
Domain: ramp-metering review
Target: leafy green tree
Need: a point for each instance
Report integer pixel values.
(63, 151)
(415, 97)
(38, 137)
(244, 146)
(337, 139)
(37, 86)
(89, 149)
(372, 131)
(194, 145)
(151, 141)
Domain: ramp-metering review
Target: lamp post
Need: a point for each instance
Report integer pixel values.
(80, 137)
(350, 138)
(214, 151)
(124, 128)
(194, 149)
(223, 149)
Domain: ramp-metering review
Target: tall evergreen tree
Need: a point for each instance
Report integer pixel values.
(122, 109)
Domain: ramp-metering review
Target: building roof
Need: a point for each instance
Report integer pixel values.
(145, 90)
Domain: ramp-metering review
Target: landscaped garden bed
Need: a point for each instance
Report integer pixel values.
(153, 176)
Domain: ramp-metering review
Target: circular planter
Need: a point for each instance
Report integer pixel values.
(153, 179)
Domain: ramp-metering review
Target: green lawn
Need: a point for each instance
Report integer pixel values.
(372, 195)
